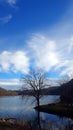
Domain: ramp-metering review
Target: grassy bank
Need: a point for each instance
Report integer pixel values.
(57, 109)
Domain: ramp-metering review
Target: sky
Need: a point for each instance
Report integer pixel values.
(35, 34)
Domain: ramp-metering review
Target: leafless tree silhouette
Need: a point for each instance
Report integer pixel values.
(35, 81)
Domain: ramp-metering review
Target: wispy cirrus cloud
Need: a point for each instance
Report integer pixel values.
(44, 52)
(48, 54)
(12, 2)
(6, 19)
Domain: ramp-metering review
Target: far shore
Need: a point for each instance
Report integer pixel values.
(4, 92)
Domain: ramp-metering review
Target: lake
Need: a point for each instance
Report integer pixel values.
(23, 108)
(18, 107)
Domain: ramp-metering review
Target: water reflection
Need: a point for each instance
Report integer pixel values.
(22, 108)
(19, 107)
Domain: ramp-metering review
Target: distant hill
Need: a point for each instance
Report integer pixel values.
(4, 92)
(67, 88)
(67, 92)
(64, 89)
(45, 91)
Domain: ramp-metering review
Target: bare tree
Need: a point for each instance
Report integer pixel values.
(35, 81)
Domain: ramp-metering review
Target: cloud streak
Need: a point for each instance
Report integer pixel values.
(12, 84)
(6, 19)
(12, 2)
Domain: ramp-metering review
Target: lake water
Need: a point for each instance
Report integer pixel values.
(16, 106)
(23, 108)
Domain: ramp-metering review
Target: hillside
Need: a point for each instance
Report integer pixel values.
(4, 92)
(67, 88)
(67, 92)
(64, 89)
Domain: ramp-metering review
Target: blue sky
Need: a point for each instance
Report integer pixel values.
(35, 34)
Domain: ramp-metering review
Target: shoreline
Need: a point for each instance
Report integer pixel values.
(57, 109)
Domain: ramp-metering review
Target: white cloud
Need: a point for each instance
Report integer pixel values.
(56, 54)
(11, 84)
(43, 52)
(14, 61)
(6, 19)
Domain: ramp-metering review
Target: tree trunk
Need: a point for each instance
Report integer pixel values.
(38, 113)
